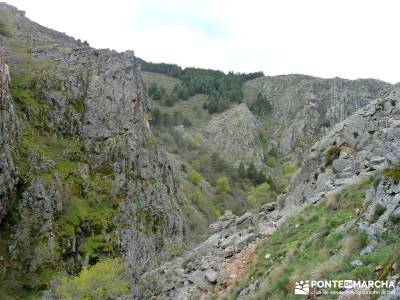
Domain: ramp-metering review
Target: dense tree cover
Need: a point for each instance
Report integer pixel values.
(165, 119)
(179, 92)
(221, 88)
(255, 176)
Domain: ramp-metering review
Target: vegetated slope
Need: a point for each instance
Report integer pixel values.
(338, 220)
(304, 108)
(8, 130)
(348, 227)
(94, 189)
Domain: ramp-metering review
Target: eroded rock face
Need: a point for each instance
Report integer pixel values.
(96, 95)
(305, 108)
(362, 145)
(234, 135)
(8, 134)
(97, 98)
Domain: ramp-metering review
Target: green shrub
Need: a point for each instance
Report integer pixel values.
(378, 211)
(105, 170)
(97, 245)
(393, 172)
(261, 194)
(198, 198)
(79, 105)
(193, 142)
(288, 169)
(223, 185)
(395, 219)
(104, 280)
(330, 155)
(271, 162)
(194, 177)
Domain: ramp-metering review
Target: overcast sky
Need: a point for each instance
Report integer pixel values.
(327, 38)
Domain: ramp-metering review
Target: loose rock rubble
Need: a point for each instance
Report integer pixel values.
(219, 261)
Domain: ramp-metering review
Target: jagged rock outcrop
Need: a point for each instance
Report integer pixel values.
(361, 153)
(8, 135)
(97, 100)
(234, 135)
(305, 108)
(111, 118)
(365, 143)
(96, 94)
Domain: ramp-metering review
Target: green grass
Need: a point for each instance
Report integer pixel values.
(307, 246)
(26, 64)
(191, 109)
(27, 102)
(161, 80)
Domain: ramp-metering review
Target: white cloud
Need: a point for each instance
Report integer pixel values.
(346, 38)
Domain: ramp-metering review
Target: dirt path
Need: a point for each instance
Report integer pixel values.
(236, 268)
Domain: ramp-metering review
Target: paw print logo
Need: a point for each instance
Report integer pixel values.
(302, 287)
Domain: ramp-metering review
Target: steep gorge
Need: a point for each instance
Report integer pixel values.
(88, 192)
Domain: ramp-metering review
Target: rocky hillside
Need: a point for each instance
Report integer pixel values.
(339, 219)
(305, 108)
(234, 134)
(8, 127)
(348, 226)
(93, 184)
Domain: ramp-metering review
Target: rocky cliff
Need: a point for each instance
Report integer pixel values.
(305, 108)
(348, 190)
(94, 183)
(234, 134)
(8, 130)
(365, 142)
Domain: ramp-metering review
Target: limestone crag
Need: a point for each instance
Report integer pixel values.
(305, 108)
(234, 135)
(8, 135)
